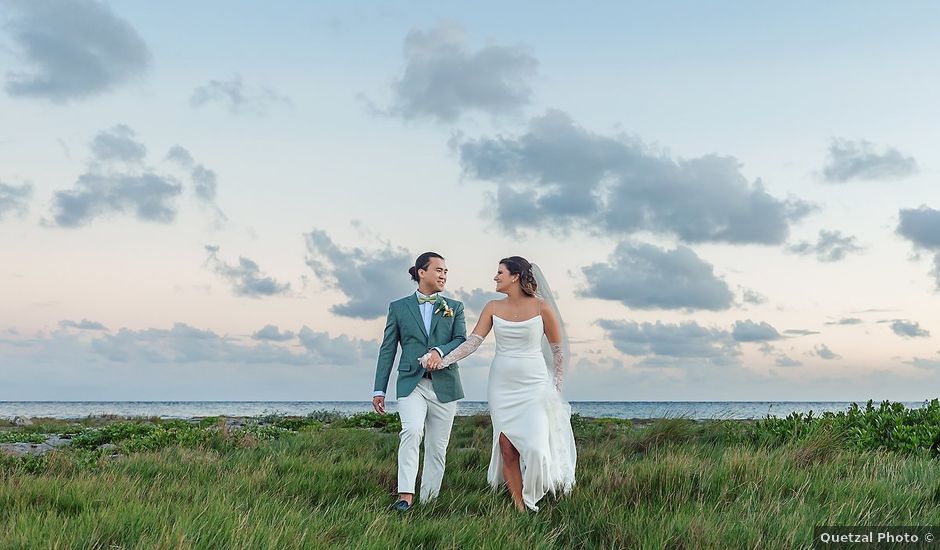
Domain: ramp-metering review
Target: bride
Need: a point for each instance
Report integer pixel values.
(533, 445)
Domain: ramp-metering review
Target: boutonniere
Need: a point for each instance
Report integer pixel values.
(443, 307)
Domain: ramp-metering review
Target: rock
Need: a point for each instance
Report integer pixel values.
(234, 424)
(35, 449)
(107, 447)
(22, 421)
(227, 424)
(23, 449)
(56, 441)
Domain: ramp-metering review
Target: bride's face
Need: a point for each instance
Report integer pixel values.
(504, 279)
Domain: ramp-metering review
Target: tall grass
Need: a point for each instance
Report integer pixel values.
(673, 483)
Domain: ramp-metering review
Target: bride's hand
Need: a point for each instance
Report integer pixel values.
(424, 360)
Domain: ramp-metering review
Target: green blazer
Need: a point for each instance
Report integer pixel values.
(405, 327)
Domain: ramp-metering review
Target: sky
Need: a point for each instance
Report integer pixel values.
(217, 201)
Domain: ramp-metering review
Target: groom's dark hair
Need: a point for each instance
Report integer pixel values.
(422, 263)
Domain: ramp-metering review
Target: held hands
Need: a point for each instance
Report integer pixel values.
(431, 360)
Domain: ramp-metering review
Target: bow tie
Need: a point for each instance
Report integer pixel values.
(423, 299)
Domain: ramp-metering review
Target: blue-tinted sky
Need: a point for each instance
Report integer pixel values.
(218, 200)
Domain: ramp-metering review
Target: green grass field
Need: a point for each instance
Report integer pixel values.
(325, 481)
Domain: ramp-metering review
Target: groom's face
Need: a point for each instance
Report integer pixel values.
(435, 276)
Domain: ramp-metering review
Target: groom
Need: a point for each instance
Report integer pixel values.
(427, 398)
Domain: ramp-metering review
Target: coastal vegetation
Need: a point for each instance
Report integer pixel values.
(326, 480)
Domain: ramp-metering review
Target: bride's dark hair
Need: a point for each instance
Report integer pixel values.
(517, 265)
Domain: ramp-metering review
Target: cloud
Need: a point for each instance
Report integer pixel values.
(180, 362)
(749, 331)
(921, 226)
(559, 176)
(74, 49)
(784, 361)
(84, 324)
(443, 79)
(476, 299)
(116, 182)
(181, 156)
(644, 276)
(15, 199)
(148, 197)
(271, 332)
(118, 144)
(186, 344)
(800, 332)
(368, 279)
(340, 350)
(823, 351)
(246, 278)
(908, 329)
(753, 297)
(846, 321)
(204, 181)
(860, 161)
(935, 270)
(924, 363)
(672, 344)
(183, 344)
(234, 95)
(830, 247)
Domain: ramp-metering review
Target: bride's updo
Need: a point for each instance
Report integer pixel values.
(517, 265)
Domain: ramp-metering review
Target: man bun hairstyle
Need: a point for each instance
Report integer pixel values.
(517, 265)
(422, 262)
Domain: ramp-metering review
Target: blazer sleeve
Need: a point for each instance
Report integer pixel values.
(387, 351)
(459, 331)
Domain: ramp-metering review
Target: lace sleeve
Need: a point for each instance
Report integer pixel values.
(558, 357)
(463, 350)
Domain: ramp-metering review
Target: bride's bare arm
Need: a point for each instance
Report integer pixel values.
(482, 328)
(485, 322)
(553, 333)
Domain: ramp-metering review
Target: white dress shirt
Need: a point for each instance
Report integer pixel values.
(427, 311)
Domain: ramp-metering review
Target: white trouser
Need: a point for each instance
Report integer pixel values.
(422, 414)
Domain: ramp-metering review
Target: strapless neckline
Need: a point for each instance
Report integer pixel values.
(508, 321)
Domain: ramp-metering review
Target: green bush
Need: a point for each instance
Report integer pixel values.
(112, 433)
(21, 437)
(889, 426)
(388, 422)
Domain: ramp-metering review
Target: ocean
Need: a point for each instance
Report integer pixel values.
(607, 409)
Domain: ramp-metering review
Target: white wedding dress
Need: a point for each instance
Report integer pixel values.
(526, 407)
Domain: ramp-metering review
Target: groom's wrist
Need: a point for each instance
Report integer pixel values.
(378, 393)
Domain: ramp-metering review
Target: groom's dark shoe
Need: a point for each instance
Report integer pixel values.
(401, 506)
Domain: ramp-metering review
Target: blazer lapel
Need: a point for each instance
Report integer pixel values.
(412, 304)
(434, 316)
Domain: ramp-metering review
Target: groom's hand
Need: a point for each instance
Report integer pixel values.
(378, 403)
(434, 361)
